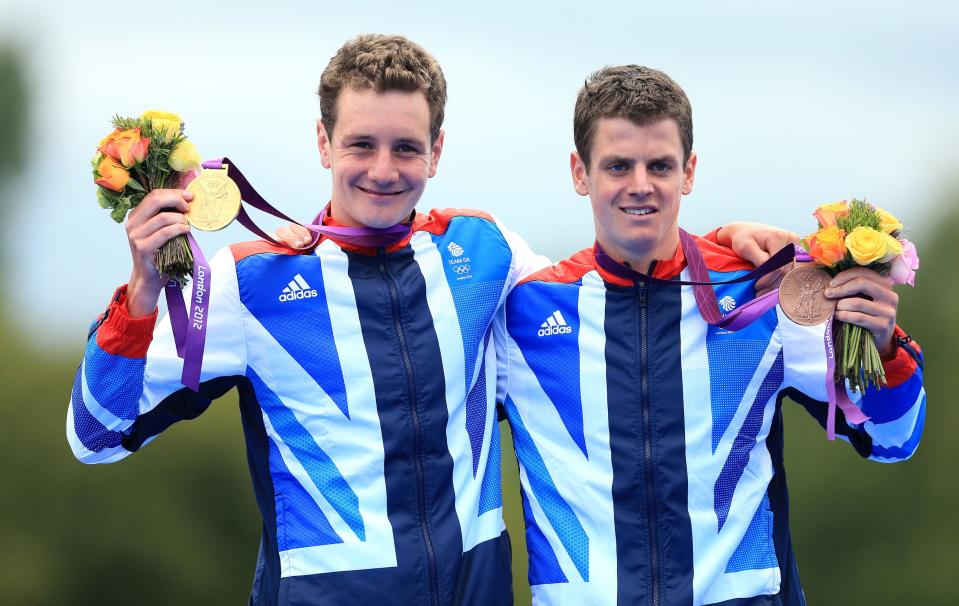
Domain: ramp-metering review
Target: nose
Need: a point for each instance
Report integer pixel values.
(383, 167)
(639, 185)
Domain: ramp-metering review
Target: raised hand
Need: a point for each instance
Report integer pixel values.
(157, 219)
(866, 298)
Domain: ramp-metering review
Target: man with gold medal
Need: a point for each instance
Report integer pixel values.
(366, 365)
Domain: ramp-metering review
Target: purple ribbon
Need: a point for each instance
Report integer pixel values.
(703, 286)
(746, 314)
(189, 328)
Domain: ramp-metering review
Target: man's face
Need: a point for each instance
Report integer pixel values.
(635, 180)
(380, 155)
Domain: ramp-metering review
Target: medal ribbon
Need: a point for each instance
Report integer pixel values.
(744, 316)
(189, 328)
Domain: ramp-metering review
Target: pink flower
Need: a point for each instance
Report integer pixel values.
(905, 265)
(186, 177)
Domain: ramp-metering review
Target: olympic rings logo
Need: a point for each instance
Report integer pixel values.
(461, 269)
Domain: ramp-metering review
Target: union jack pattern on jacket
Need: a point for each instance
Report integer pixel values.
(367, 394)
(651, 443)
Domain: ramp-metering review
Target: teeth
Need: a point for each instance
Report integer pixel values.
(638, 211)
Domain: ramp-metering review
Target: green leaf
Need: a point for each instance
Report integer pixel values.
(134, 184)
(104, 199)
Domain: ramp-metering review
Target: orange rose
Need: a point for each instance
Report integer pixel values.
(125, 146)
(827, 246)
(111, 175)
(827, 213)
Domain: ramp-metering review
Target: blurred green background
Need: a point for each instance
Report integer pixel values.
(178, 524)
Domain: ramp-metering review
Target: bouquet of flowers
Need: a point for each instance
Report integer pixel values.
(142, 154)
(858, 234)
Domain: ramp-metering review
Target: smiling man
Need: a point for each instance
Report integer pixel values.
(368, 406)
(650, 442)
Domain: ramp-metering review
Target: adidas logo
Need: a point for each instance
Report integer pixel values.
(727, 304)
(297, 289)
(555, 324)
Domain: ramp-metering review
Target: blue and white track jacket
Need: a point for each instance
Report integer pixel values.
(651, 444)
(367, 394)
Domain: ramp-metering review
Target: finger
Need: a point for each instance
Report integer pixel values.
(865, 306)
(286, 235)
(881, 329)
(159, 200)
(771, 280)
(141, 236)
(860, 272)
(780, 238)
(752, 252)
(877, 290)
(161, 220)
(149, 245)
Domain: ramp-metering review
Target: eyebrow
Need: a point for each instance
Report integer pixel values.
(407, 140)
(605, 160)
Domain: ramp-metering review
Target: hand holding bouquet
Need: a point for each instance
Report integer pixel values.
(140, 155)
(857, 234)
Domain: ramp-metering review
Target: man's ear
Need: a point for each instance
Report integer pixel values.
(436, 151)
(323, 143)
(577, 169)
(689, 174)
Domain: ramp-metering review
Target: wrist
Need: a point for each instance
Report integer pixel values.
(142, 296)
(888, 353)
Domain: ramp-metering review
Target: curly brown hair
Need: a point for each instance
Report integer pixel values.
(383, 63)
(634, 92)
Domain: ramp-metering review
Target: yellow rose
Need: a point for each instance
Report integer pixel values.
(887, 222)
(866, 245)
(827, 246)
(184, 157)
(827, 213)
(167, 123)
(893, 248)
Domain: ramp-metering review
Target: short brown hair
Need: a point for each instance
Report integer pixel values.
(640, 94)
(383, 63)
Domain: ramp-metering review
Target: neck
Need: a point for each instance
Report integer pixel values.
(641, 260)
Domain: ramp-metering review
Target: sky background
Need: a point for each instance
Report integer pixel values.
(794, 105)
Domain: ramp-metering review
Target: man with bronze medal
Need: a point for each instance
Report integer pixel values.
(366, 363)
(649, 433)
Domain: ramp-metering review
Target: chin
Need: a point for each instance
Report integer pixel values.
(382, 219)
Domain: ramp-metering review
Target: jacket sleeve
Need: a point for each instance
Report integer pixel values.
(127, 388)
(896, 412)
(524, 261)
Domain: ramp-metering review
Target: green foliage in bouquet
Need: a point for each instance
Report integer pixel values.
(140, 155)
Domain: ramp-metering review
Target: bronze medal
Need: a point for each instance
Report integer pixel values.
(216, 200)
(802, 298)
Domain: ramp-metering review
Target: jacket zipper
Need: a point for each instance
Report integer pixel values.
(418, 468)
(648, 446)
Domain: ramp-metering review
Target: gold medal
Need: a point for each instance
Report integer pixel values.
(216, 200)
(802, 298)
